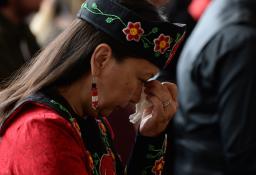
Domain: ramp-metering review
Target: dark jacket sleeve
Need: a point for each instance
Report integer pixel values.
(148, 156)
(237, 108)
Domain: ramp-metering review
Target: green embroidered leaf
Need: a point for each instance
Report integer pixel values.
(155, 30)
(84, 5)
(157, 54)
(166, 55)
(177, 37)
(151, 148)
(148, 156)
(146, 45)
(171, 40)
(71, 119)
(95, 171)
(94, 5)
(154, 156)
(144, 172)
(109, 20)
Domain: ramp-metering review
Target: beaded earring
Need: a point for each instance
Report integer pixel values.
(95, 98)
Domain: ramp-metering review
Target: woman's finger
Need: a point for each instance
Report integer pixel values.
(172, 88)
(163, 113)
(155, 88)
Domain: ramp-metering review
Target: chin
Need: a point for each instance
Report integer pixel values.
(106, 112)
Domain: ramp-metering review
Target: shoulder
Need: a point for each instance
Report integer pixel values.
(44, 121)
(235, 43)
(36, 115)
(232, 48)
(232, 38)
(41, 126)
(34, 123)
(45, 141)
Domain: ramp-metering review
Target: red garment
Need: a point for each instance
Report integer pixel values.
(40, 142)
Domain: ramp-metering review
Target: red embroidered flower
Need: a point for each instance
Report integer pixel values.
(102, 128)
(133, 31)
(162, 43)
(107, 164)
(158, 167)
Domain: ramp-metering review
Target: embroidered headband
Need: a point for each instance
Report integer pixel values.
(158, 41)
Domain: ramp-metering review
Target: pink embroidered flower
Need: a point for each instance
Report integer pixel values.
(133, 31)
(158, 167)
(107, 164)
(162, 43)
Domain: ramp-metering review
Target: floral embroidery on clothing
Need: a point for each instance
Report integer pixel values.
(162, 43)
(155, 158)
(159, 166)
(100, 163)
(104, 162)
(133, 31)
(107, 164)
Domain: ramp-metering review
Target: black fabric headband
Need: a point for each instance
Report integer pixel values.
(158, 41)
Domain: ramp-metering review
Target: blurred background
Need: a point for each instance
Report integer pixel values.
(52, 18)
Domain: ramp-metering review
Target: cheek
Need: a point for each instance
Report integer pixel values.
(118, 90)
(124, 89)
(118, 87)
(132, 89)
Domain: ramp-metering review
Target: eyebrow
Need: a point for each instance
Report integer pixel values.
(150, 75)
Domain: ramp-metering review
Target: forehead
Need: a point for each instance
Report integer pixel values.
(141, 65)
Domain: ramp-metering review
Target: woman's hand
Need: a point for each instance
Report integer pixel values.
(163, 97)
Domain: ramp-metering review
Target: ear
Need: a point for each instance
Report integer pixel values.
(101, 56)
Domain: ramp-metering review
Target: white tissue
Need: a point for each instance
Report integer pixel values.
(143, 104)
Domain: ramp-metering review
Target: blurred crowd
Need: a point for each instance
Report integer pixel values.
(27, 25)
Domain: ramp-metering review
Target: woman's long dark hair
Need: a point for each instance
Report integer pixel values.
(67, 58)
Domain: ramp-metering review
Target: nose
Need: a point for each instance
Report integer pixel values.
(136, 95)
(135, 99)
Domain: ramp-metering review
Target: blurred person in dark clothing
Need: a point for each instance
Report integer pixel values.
(17, 43)
(177, 11)
(214, 128)
(187, 12)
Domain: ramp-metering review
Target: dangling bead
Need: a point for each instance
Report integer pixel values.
(95, 99)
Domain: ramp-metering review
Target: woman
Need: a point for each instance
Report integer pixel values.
(54, 109)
